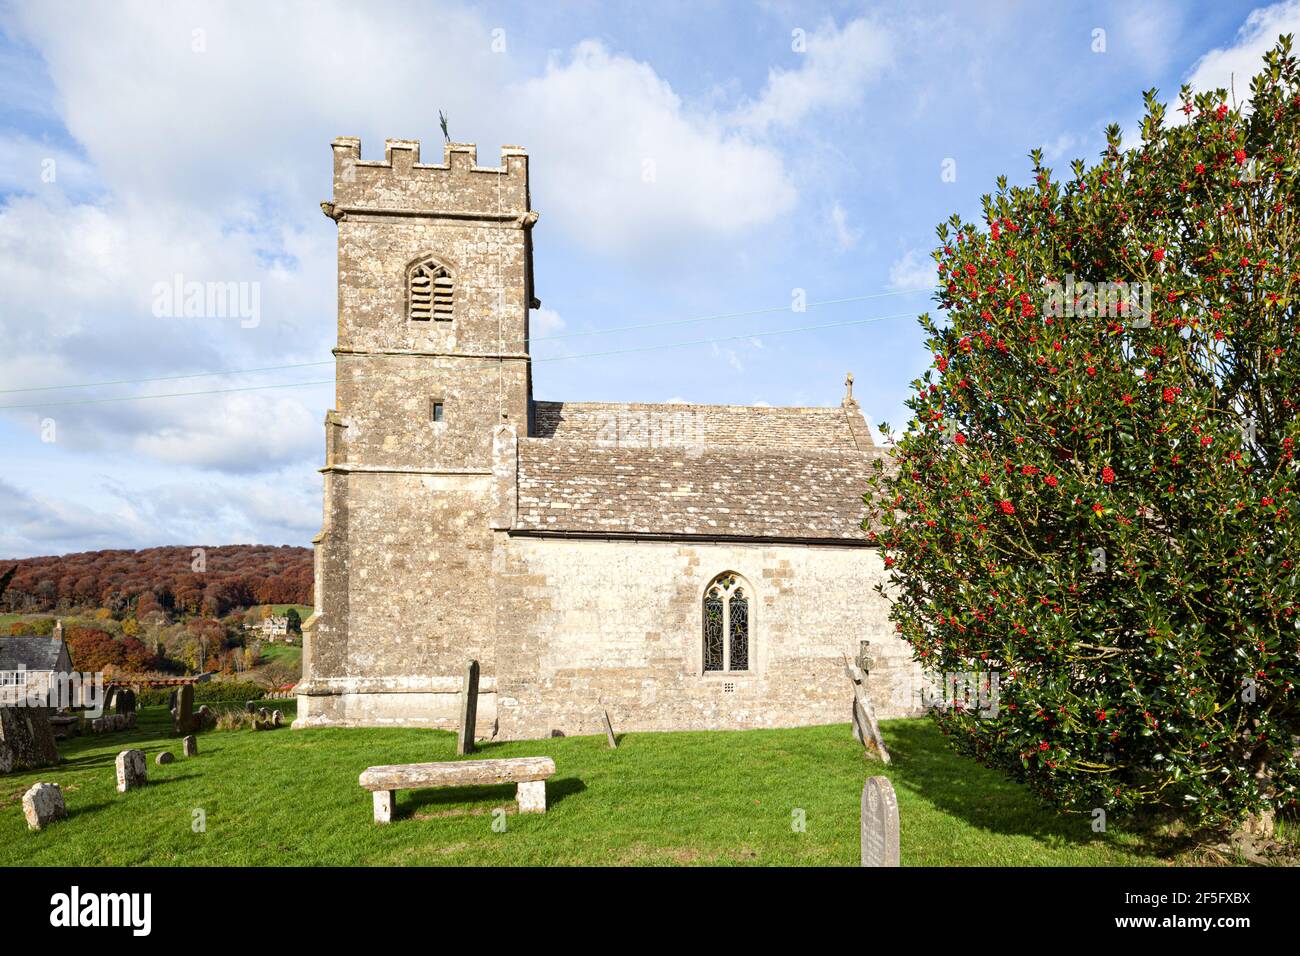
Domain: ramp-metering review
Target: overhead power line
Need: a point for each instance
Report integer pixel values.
(532, 339)
(488, 365)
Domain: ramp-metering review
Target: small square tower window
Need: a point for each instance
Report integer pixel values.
(435, 410)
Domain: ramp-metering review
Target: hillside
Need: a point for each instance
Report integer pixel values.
(169, 579)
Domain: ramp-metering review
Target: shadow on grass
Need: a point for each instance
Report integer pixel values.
(926, 764)
(440, 802)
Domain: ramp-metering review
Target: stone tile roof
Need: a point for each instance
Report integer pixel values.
(725, 490)
(712, 426)
(33, 652)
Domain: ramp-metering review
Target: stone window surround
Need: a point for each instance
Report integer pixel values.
(755, 665)
(435, 264)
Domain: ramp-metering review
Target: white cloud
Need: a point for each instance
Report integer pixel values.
(1232, 67)
(845, 237)
(629, 166)
(913, 270)
(834, 72)
(545, 322)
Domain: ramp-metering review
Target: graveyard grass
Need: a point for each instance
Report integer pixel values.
(287, 797)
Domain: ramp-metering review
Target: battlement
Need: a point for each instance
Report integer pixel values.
(456, 187)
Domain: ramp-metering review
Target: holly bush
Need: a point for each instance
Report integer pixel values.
(1095, 498)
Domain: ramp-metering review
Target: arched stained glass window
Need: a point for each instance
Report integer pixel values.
(726, 624)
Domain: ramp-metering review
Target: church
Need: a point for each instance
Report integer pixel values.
(678, 566)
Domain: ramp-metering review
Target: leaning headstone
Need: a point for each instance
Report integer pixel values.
(164, 758)
(131, 770)
(609, 731)
(468, 710)
(250, 707)
(277, 718)
(185, 709)
(879, 823)
(190, 746)
(43, 804)
(26, 739)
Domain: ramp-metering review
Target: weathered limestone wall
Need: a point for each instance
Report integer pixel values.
(591, 622)
(407, 570)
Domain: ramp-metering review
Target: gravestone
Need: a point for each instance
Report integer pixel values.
(866, 730)
(250, 707)
(125, 702)
(184, 715)
(277, 718)
(131, 772)
(468, 710)
(190, 746)
(43, 804)
(609, 731)
(164, 758)
(879, 823)
(26, 739)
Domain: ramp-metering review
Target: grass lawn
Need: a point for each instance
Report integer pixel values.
(288, 653)
(287, 797)
(279, 610)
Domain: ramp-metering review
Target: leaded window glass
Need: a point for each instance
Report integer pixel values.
(726, 625)
(713, 614)
(738, 612)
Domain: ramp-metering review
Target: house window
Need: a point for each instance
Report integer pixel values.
(726, 625)
(435, 410)
(13, 678)
(430, 292)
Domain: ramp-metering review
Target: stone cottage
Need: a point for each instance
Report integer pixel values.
(682, 566)
(29, 667)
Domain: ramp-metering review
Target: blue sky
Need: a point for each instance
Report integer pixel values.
(793, 146)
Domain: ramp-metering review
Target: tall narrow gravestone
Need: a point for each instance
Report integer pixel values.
(468, 710)
(185, 709)
(609, 731)
(879, 823)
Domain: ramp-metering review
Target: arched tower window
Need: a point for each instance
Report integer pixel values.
(726, 624)
(429, 292)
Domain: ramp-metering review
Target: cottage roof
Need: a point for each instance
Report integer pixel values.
(30, 651)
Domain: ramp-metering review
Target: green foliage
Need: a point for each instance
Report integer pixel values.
(1097, 500)
(206, 692)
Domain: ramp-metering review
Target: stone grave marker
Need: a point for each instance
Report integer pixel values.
(26, 739)
(468, 710)
(131, 772)
(190, 746)
(43, 804)
(164, 758)
(185, 709)
(609, 731)
(879, 823)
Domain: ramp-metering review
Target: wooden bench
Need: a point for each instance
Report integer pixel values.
(530, 773)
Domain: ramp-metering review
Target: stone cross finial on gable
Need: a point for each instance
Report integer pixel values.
(848, 385)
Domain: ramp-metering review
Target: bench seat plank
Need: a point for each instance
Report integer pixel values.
(458, 773)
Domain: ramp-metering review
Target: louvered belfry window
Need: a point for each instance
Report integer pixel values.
(431, 293)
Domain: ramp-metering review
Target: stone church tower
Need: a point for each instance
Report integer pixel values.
(679, 565)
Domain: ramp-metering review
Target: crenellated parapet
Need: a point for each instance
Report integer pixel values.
(456, 187)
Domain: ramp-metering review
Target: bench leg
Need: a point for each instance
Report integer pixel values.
(531, 796)
(384, 806)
